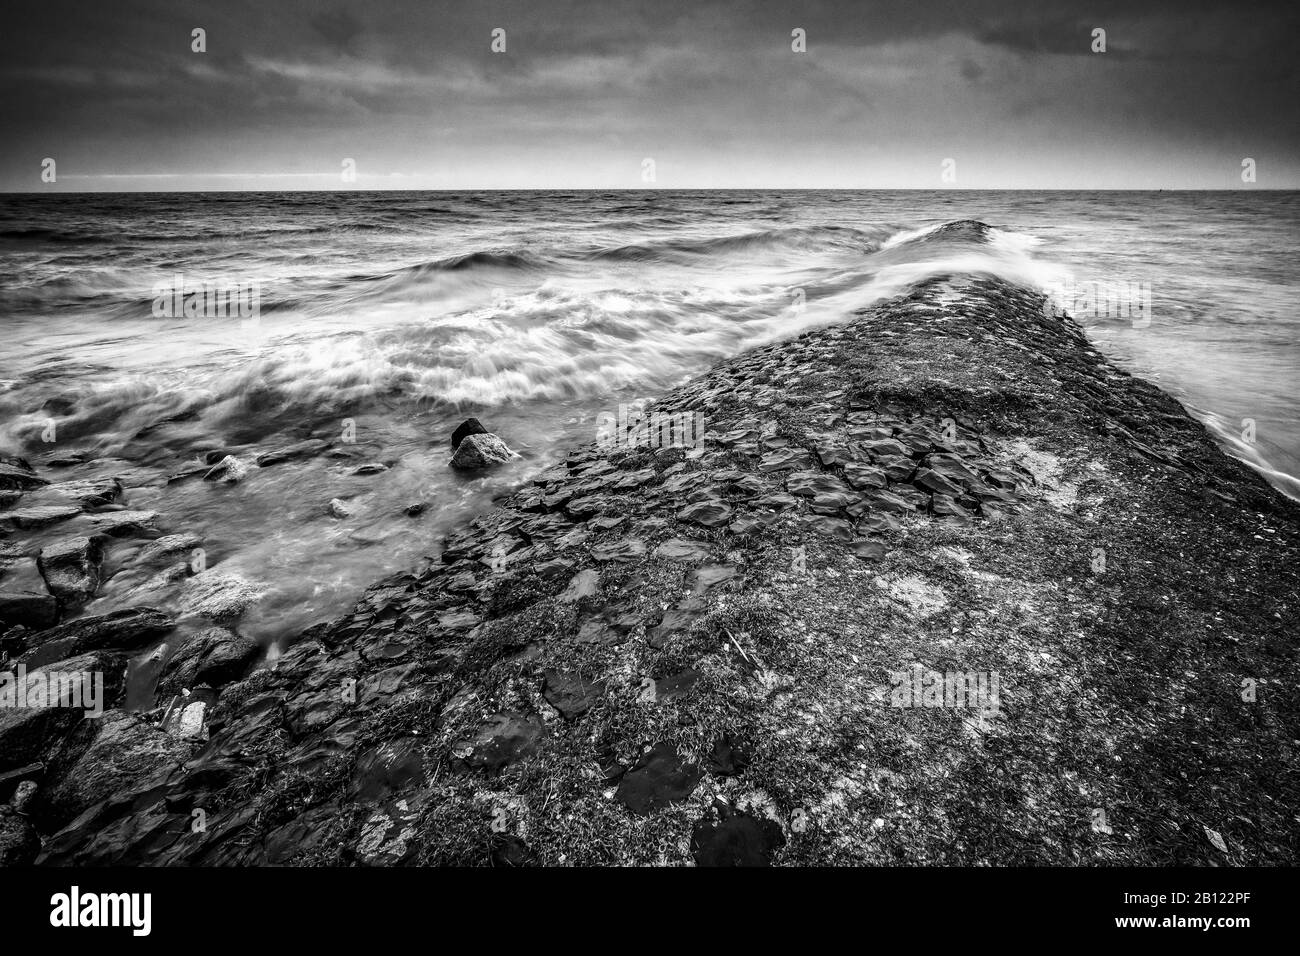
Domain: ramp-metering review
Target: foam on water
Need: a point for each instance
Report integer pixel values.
(535, 312)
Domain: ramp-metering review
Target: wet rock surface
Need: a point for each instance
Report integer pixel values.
(480, 450)
(668, 655)
(71, 568)
(214, 657)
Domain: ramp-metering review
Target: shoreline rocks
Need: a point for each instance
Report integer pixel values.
(590, 674)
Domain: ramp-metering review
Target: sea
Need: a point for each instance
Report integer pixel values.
(380, 320)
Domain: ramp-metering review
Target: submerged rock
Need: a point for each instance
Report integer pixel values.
(480, 451)
(36, 516)
(303, 449)
(220, 597)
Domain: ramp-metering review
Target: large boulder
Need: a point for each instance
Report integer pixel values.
(480, 451)
(71, 567)
(126, 750)
(213, 656)
(470, 426)
(56, 699)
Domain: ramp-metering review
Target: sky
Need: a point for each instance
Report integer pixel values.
(605, 94)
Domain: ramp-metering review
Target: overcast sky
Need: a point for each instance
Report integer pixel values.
(586, 91)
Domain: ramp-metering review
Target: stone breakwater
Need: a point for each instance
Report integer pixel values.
(675, 655)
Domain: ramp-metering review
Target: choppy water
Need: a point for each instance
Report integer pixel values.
(405, 312)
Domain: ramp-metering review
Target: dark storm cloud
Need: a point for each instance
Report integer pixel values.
(585, 89)
(340, 28)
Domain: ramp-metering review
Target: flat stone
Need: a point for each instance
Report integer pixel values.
(931, 480)
(886, 501)
(394, 766)
(676, 685)
(37, 516)
(122, 523)
(863, 476)
(219, 597)
(502, 740)
(739, 840)
(896, 467)
(168, 545)
(885, 447)
(659, 779)
(945, 506)
(869, 548)
(810, 484)
(303, 449)
(838, 528)
(682, 549)
(628, 549)
(570, 694)
(710, 514)
(785, 458)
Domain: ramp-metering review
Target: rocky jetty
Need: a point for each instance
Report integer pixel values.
(742, 652)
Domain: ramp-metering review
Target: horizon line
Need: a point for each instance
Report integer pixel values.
(656, 189)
